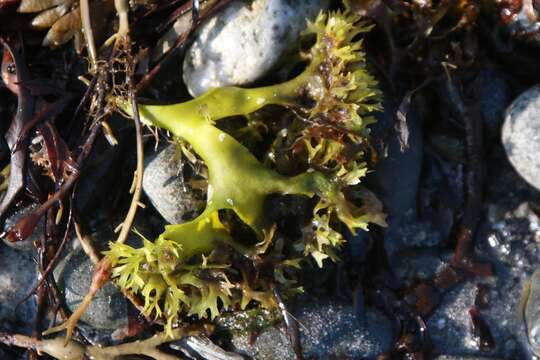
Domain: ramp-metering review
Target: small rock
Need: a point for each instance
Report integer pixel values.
(108, 310)
(397, 175)
(521, 134)
(164, 185)
(509, 239)
(18, 275)
(195, 347)
(28, 243)
(449, 326)
(260, 34)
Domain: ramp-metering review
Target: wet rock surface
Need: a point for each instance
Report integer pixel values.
(328, 329)
(259, 33)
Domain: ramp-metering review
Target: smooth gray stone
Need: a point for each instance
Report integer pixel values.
(245, 41)
(108, 310)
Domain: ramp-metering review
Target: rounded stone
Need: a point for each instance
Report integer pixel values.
(245, 41)
(521, 135)
(108, 310)
(166, 188)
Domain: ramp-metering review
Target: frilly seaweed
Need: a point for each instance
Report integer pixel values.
(198, 267)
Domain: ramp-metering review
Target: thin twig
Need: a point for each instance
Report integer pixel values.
(86, 243)
(130, 217)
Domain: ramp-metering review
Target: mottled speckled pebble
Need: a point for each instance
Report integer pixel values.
(166, 188)
(521, 135)
(244, 42)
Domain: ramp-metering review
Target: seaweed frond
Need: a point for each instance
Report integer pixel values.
(199, 267)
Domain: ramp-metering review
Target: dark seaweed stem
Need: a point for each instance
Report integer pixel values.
(26, 225)
(52, 263)
(82, 103)
(41, 299)
(16, 72)
(48, 112)
(473, 204)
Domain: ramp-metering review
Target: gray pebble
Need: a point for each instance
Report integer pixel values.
(166, 188)
(244, 42)
(521, 135)
(108, 310)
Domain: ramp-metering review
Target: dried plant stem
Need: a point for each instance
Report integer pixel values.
(86, 244)
(138, 176)
(122, 9)
(88, 33)
(73, 350)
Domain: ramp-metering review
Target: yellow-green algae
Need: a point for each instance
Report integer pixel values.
(181, 271)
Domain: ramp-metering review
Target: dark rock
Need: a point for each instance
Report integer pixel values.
(331, 329)
(108, 310)
(506, 240)
(418, 264)
(397, 175)
(18, 276)
(450, 357)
